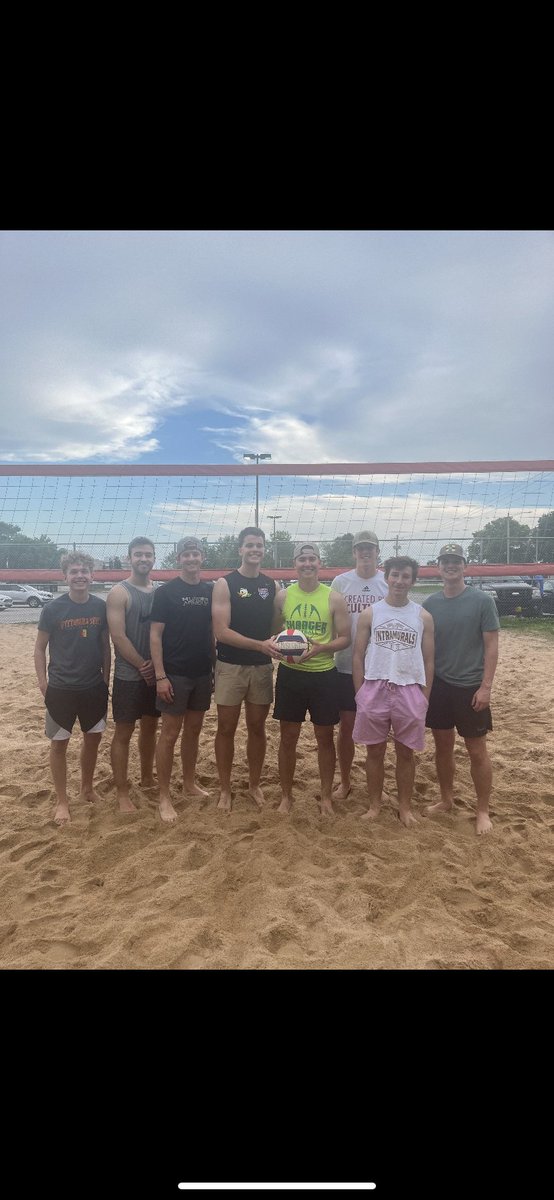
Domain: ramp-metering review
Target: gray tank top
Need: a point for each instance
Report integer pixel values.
(137, 628)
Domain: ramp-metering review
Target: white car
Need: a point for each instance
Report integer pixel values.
(5, 602)
(23, 593)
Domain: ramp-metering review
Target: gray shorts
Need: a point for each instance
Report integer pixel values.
(193, 694)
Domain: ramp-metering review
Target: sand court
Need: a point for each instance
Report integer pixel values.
(261, 890)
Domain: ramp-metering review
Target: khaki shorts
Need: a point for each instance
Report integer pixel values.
(234, 683)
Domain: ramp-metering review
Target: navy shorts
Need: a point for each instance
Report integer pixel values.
(298, 692)
(133, 699)
(450, 706)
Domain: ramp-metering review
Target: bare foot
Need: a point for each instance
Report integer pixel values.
(194, 789)
(341, 792)
(406, 817)
(483, 823)
(371, 813)
(225, 801)
(126, 804)
(62, 815)
(89, 796)
(257, 796)
(167, 811)
(285, 805)
(327, 809)
(440, 807)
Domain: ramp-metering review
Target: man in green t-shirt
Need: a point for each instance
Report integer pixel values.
(466, 654)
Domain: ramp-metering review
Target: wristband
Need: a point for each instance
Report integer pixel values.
(160, 677)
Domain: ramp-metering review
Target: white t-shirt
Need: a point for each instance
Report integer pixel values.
(394, 652)
(359, 594)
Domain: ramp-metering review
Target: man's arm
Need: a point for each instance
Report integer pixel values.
(40, 659)
(363, 633)
(163, 686)
(482, 697)
(221, 617)
(428, 650)
(116, 608)
(106, 655)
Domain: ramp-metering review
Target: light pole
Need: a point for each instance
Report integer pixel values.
(274, 517)
(256, 458)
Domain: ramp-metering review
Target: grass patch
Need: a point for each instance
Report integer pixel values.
(522, 625)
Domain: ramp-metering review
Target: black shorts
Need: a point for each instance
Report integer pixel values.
(345, 692)
(64, 705)
(299, 691)
(194, 695)
(450, 706)
(133, 699)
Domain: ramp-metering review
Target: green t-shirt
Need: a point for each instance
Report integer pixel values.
(310, 612)
(460, 622)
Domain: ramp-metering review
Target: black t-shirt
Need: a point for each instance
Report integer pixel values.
(251, 615)
(75, 641)
(186, 611)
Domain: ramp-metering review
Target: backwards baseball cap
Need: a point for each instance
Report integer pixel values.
(190, 543)
(302, 546)
(451, 548)
(365, 535)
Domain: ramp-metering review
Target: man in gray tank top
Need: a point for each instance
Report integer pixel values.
(129, 606)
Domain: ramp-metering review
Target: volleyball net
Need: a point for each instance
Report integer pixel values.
(501, 513)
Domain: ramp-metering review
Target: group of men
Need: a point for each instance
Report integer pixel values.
(376, 664)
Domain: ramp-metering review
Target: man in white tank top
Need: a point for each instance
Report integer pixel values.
(392, 678)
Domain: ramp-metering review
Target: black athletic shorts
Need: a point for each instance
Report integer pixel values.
(133, 699)
(450, 706)
(297, 692)
(345, 692)
(64, 705)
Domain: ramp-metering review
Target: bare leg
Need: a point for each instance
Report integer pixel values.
(444, 759)
(481, 773)
(189, 752)
(147, 748)
(227, 721)
(256, 717)
(171, 728)
(58, 766)
(375, 775)
(119, 754)
(327, 760)
(345, 754)
(405, 775)
(290, 732)
(89, 754)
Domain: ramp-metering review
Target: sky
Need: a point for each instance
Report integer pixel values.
(313, 346)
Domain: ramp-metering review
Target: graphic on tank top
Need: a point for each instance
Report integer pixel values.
(395, 635)
(307, 617)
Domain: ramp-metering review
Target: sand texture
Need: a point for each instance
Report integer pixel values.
(261, 890)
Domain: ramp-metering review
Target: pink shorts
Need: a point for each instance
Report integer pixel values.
(381, 706)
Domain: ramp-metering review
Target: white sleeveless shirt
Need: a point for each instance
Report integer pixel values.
(394, 652)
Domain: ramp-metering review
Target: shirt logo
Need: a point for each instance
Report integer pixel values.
(395, 636)
(244, 593)
(263, 592)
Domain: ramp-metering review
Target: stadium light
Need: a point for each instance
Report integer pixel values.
(274, 517)
(256, 458)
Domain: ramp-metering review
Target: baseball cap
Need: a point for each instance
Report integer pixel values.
(451, 548)
(190, 543)
(301, 546)
(365, 535)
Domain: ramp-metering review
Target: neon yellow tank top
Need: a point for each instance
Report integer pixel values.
(309, 611)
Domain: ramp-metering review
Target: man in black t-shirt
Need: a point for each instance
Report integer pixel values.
(245, 615)
(182, 650)
(75, 629)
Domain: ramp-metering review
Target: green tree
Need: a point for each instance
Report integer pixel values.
(338, 553)
(544, 532)
(18, 550)
(490, 544)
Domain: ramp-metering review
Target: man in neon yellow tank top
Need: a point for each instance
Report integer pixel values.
(310, 684)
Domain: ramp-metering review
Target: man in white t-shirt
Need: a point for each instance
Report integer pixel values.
(361, 588)
(393, 679)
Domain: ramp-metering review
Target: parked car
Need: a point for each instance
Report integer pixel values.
(23, 593)
(548, 597)
(5, 602)
(511, 595)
